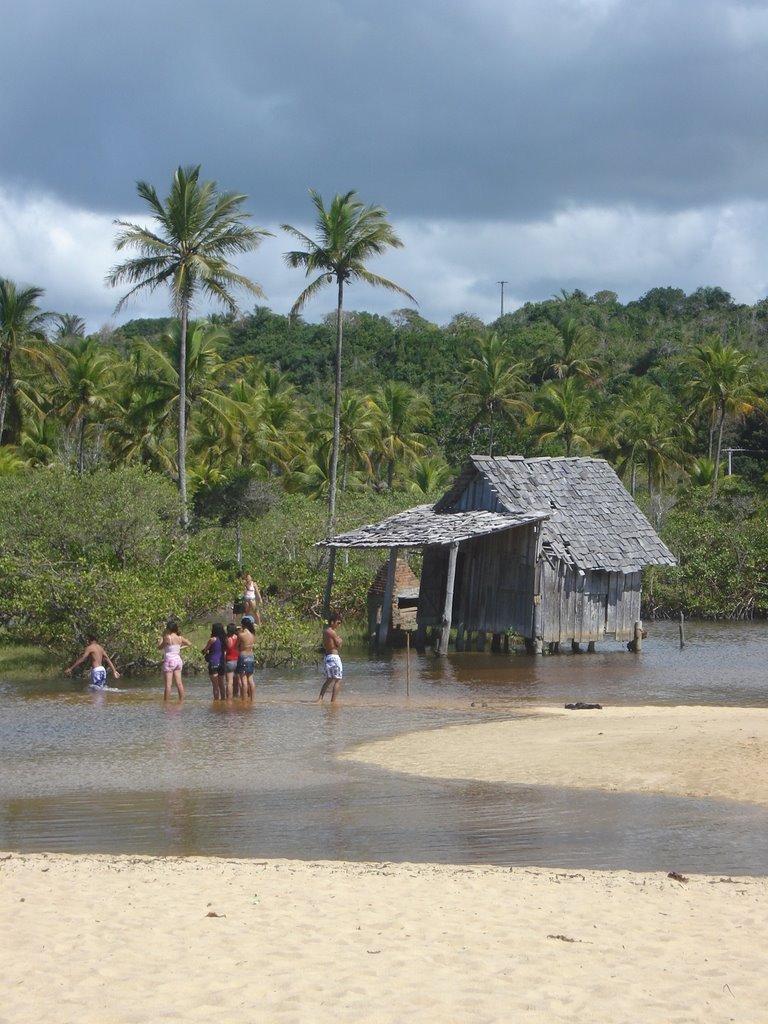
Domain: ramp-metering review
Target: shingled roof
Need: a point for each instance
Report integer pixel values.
(594, 522)
(422, 526)
(589, 519)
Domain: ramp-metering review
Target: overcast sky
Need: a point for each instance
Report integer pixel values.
(598, 144)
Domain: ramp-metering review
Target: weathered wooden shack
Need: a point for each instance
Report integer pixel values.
(551, 549)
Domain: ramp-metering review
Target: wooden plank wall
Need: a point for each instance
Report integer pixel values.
(493, 591)
(588, 607)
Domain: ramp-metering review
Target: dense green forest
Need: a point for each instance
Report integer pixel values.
(670, 388)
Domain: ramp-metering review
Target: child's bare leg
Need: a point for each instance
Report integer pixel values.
(324, 689)
(168, 681)
(179, 684)
(336, 688)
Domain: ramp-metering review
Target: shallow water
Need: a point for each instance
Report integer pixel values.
(121, 772)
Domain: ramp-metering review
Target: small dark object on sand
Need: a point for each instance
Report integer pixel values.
(581, 706)
(676, 876)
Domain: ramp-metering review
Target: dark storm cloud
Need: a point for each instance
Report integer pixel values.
(438, 110)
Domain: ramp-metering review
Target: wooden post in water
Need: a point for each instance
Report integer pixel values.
(389, 592)
(445, 635)
(682, 631)
(638, 644)
(329, 582)
(407, 663)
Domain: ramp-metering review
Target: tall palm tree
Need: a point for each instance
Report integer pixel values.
(349, 233)
(21, 321)
(493, 384)
(199, 228)
(722, 383)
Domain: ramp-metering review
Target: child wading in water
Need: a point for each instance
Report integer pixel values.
(332, 661)
(97, 655)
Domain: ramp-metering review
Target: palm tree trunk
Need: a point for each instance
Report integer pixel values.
(81, 447)
(182, 455)
(334, 467)
(720, 426)
(6, 389)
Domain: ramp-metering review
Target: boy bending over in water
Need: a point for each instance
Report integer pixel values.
(98, 656)
(331, 662)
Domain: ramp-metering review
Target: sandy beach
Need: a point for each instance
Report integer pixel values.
(100, 939)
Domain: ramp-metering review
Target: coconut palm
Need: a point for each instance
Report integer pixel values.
(156, 369)
(722, 383)
(21, 322)
(38, 440)
(68, 327)
(357, 433)
(199, 228)
(429, 475)
(647, 431)
(563, 412)
(493, 385)
(349, 233)
(575, 357)
(401, 413)
(83, 381)
(268, 417)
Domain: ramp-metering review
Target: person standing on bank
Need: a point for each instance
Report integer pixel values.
(98, 656)
(171, 645)
(251, 598)
(332, 661)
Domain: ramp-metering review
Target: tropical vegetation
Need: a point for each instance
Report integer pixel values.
(142, 467)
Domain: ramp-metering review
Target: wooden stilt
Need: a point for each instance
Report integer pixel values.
(329, 582)
(389, 587)
(445, 635)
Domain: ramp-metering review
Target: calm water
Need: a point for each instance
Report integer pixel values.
(120, 772)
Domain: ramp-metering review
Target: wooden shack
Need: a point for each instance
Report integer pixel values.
(551, 549)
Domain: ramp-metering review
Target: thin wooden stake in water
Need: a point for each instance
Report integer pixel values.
(407, 663)
(682, 630)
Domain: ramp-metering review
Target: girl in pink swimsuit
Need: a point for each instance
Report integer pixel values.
(171, 645)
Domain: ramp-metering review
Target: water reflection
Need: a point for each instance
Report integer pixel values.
(121, 772)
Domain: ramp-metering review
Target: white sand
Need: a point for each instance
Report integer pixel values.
(683, 751)
(128, 940)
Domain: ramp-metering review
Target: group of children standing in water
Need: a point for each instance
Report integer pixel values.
(229, 653)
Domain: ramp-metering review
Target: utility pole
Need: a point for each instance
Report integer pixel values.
(502, 283)
(729, 452)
